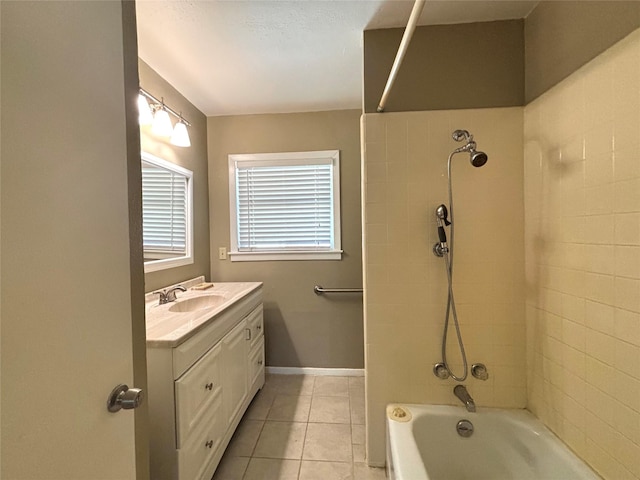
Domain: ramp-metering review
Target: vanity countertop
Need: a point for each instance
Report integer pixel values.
(167, 327)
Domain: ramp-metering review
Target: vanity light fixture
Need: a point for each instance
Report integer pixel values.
(145, 117)
(160, 121)
(180, 137)
(161, 125)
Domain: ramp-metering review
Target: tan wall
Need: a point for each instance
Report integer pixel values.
(474, 65)
(405, 175)
(560, 37)
(582, 185)
(301, 328)
(195, 159)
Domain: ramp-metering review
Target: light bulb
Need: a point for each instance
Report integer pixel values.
(162, 123)
(144, 111)
(180, 137)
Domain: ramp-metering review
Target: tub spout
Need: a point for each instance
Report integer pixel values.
(460, 391)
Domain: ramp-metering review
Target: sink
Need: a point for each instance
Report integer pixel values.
(200, 302)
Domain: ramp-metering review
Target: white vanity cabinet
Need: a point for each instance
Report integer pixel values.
(199, 387)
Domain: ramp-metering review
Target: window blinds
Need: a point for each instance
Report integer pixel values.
(164, 208)
(284, 207)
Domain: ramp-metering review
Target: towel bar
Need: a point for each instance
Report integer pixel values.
(318, 290)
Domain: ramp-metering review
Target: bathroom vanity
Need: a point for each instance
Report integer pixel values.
(205, 355)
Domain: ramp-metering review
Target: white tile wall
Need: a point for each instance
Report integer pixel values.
(404, 179)
(582, 198)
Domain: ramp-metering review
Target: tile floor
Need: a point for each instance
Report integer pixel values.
(301, 427)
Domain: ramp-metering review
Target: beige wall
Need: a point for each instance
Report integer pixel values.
(473, 65)
(301, 328)
(493, 64)
(562, 36)
(582, 185)
(195, 159)
(405, 165)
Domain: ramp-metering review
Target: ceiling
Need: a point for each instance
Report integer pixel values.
(231, 57)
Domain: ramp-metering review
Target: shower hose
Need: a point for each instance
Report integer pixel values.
(451, 305)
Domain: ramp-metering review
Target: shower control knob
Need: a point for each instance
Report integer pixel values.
(123, 397)
(479, 370)
(441, 371)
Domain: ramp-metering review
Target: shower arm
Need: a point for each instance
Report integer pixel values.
(418, 6)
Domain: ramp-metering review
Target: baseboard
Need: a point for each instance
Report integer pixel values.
(335, 372)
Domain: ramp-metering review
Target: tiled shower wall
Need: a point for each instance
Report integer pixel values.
(582, 243)
(404, 180)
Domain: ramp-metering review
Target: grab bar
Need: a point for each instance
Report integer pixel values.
(318, 290)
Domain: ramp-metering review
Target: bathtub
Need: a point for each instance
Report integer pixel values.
(423, 444)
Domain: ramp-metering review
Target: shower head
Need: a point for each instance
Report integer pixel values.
(477, 158)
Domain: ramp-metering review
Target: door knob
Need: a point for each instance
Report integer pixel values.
(124, 397)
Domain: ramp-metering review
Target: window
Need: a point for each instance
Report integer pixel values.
(285, 206)
(166, 214)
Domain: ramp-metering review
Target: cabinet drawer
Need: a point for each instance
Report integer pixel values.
(195, 392)
(195, 455)
(255, 323)
(256, 364)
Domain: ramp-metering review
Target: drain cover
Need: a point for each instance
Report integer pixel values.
(464, 428)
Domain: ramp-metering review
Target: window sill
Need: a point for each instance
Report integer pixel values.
(280, 256)
(156, 265)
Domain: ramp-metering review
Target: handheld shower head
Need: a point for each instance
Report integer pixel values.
(442, 214)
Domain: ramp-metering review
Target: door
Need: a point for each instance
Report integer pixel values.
(71, 278)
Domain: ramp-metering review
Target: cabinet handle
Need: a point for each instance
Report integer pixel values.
(209, 386)
(247, 334)
(209, 444)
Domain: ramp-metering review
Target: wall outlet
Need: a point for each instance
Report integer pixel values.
(222, 253)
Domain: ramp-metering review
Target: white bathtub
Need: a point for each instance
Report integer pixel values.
(505, 444)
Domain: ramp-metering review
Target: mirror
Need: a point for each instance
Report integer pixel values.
(167, 214)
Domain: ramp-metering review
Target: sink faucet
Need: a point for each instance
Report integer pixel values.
(460, 391)
(169, 295)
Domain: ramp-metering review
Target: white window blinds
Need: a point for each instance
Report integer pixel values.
(164, 210)
(285, 202)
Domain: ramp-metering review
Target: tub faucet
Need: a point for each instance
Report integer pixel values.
(169, 295)
(460, 391)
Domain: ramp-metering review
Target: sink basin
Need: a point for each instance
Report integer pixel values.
(197, 303)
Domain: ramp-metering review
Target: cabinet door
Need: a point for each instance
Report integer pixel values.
(235, 347)
(195, 391)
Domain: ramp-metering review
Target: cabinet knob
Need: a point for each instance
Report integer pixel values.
(259, 362)
(209, 386)
(209, 444)
(259, 327)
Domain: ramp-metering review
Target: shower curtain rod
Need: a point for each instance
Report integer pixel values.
(404, 44)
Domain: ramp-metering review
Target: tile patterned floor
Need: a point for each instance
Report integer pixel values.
(301, 427)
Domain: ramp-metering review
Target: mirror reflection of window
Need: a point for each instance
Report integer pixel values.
(166, 214)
